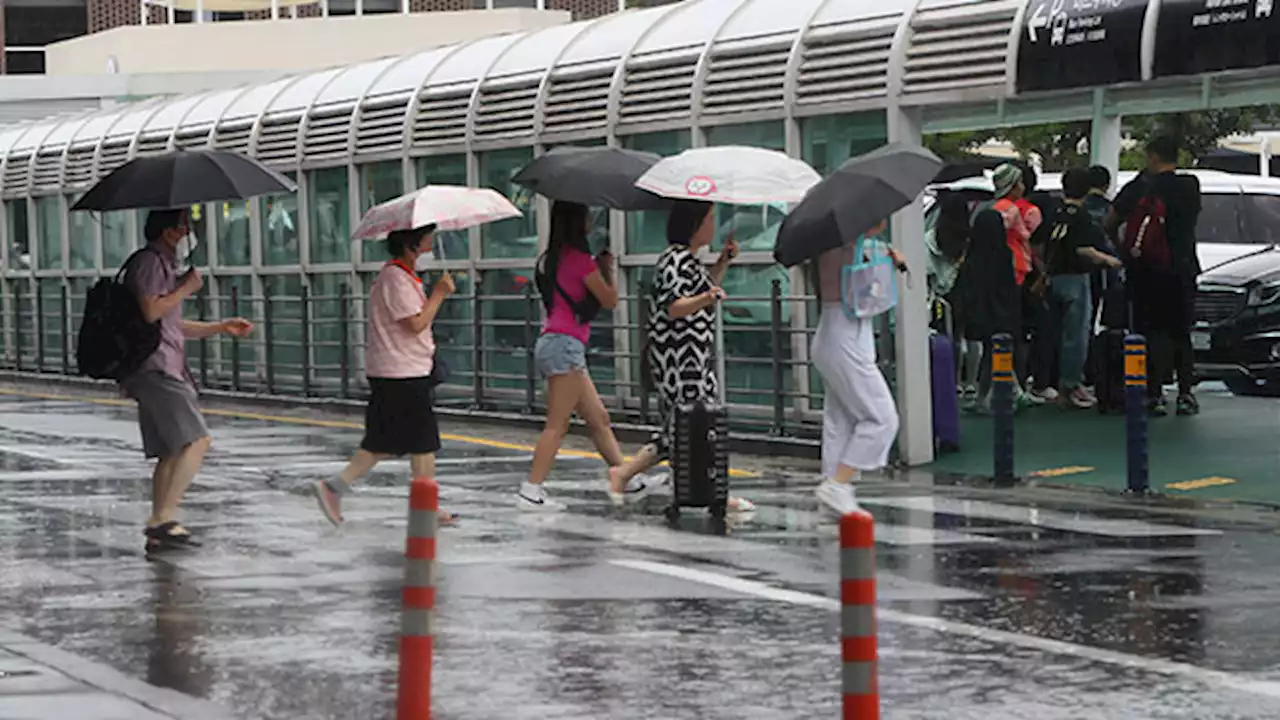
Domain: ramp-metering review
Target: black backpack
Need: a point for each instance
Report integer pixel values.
(585, 310)
(114, 339)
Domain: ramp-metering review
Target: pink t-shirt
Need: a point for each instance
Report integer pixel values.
(392, 351)
(572, 273)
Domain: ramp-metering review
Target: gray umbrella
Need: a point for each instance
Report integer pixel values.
(593, 176)
(850, 201)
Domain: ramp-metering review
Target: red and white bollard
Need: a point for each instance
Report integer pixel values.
(859, 682)
(413, 697)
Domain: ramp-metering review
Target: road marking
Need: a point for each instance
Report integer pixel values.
(336, 424)
(1061, 472)
(1201, 483)
(1036, 517)
(1034, 642)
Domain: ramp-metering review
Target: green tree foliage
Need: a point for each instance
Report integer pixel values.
(1065, 145)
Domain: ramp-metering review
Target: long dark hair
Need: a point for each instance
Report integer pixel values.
(685, 218)
(568, 230)
(951, 234)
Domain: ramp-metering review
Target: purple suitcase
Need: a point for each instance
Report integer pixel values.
(946, 404)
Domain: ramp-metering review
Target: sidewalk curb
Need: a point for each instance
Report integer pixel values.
(107, 679)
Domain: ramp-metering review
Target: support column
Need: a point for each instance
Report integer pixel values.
(911, 336)
(1105, 138)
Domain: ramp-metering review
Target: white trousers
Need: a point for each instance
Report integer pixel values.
(860, 418)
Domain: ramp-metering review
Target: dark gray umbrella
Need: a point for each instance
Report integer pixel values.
(593, 176)
(850, 201)
(183, 178)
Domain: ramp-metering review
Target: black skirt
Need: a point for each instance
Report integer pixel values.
(400, 418)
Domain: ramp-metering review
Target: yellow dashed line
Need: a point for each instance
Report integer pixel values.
(339, 424)
(1061, 472)
(1201, 483)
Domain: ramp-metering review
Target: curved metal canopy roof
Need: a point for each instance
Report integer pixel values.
(701, 61)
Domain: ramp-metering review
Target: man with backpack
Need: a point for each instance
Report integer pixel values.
(173, 428)
(1159, 211)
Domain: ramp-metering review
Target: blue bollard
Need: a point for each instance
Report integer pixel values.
(1003, 395)
(1135, 390)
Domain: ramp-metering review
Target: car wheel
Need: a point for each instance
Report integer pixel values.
(1246, 387)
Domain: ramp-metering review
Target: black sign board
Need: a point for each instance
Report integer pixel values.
(1079, 43)
(1197, 36)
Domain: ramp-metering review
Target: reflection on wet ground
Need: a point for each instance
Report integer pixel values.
(993, 605)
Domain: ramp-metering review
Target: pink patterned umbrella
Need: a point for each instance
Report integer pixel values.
(448, 207)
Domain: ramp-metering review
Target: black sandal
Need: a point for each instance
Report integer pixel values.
(169, 536)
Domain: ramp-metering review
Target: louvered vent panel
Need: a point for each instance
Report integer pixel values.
(278, 140)
(441, 119)
(381, 125)
(658, 89)
(741, 79)
(234, 137)
(192, 138)
(841, 66)
(47, 174)
(506, 110)
(955, 53)
(17, 174)
(328, 132)
(153, 144)
(578, 101)
(115, 152)
(79, 165)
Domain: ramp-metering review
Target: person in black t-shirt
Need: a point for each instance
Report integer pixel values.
(1071, 254)
(1163, 298)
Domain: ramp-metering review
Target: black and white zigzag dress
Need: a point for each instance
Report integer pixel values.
(681, 350)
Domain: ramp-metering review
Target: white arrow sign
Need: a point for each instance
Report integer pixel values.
(1039, 20)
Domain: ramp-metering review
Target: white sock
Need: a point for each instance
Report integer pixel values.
(530, 490)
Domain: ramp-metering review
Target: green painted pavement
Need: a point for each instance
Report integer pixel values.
(1235, 438)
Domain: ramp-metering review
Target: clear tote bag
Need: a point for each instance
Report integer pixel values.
(868, 287)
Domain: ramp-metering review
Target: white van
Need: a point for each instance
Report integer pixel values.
(1239, 213)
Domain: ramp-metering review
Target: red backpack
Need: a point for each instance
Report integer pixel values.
(1146, 239)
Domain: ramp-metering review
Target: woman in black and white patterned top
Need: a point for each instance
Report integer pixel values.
(682, 315)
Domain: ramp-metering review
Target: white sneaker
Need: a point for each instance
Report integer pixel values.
(837, 496)
(534, 498)
(1048, 394)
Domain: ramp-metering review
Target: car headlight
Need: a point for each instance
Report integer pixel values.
(1264, 294)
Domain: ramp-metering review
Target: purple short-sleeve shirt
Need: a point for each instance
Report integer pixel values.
(155, 273)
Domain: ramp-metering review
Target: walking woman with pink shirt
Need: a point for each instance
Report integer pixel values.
(574, 287)
(399, 358)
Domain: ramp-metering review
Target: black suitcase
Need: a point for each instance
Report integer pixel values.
(1108, 371)
(700, 459)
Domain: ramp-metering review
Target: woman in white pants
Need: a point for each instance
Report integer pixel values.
(859, 417)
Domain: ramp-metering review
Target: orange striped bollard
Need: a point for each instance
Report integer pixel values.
(858, 616)
(418, 601)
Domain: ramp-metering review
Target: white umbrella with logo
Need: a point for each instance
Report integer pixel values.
(732, 174)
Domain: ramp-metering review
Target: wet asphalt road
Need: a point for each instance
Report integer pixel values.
(993, 604)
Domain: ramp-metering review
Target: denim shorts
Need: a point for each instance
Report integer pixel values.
(558, 354)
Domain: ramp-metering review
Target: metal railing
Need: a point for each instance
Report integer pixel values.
(312, 346)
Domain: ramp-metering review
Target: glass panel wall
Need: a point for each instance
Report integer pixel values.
(49, 233)
(327, 327)
(517, 237)
(454, 334)
(195, 249)
(506, 323)
(280, 227)
(232, 219)
(446, 170)
(826, 142)
(15, 212)
(117, 239)
(284, 328)
(380, 182)
(83, 243)
(235, 299)
(647, 231)
(52, 315)
(330, 216)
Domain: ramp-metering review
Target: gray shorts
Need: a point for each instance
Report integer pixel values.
(557, 354)
(168, 413)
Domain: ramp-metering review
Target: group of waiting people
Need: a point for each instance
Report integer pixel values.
(1047, 271)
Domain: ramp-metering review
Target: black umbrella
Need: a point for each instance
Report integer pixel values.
(850, 201)
(183, 178)
(593, 176)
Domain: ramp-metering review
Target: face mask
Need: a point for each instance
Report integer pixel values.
(187, 248)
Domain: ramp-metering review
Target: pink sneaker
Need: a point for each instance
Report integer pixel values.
(330, 503)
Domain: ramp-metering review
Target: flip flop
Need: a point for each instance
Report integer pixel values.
(168, 536)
